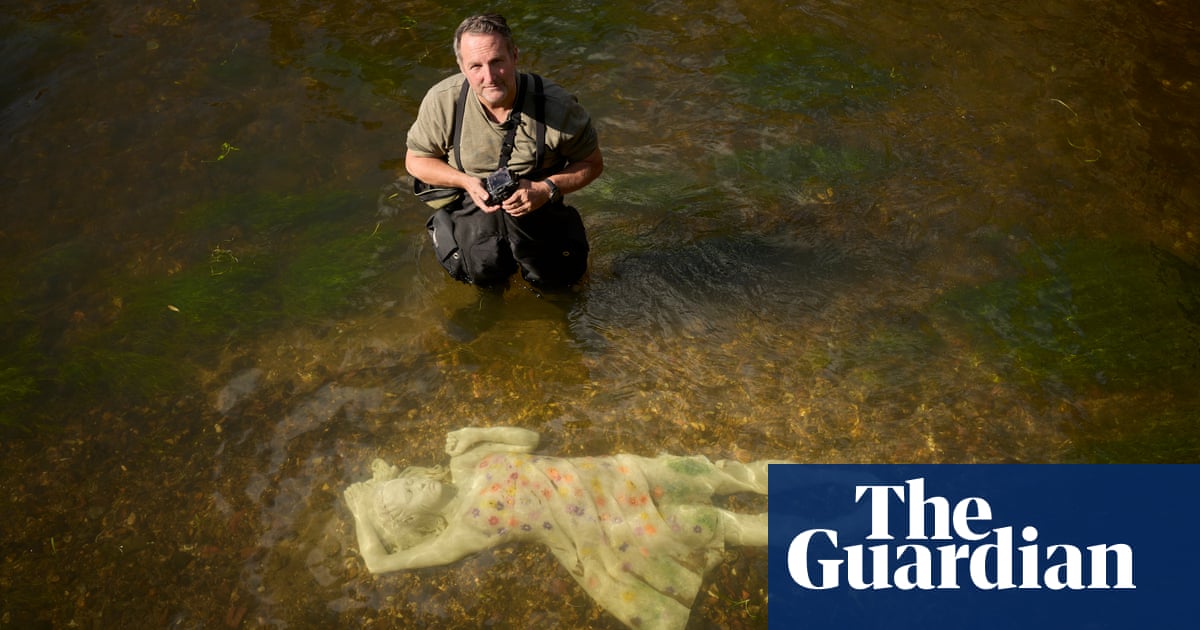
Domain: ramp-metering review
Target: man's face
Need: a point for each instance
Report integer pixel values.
(490, 68)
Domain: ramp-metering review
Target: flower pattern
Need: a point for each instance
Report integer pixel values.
(601, 512)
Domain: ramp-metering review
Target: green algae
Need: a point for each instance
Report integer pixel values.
(1115, 322)
(1144, 431)
(28, 297)
(18, 376)
(647, 189)
(766, 170)
(1091, 314)
(298, 259)
(740, 175)
(270, 213)
(322, 280)
(806, 72)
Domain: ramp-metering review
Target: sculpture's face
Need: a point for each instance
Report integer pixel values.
(490, 68)
(412, 495)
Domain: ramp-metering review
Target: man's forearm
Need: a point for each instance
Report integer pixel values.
(435, 172)
(579, 174)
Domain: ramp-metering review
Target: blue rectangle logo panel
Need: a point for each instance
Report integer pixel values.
(982, 546)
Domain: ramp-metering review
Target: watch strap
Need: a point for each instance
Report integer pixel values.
(555, 194)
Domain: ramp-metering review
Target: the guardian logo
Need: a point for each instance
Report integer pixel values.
(950, 546)
(982, 546)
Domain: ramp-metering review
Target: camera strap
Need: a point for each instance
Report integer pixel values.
(514, 121)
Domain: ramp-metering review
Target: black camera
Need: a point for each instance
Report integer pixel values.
(500, 186)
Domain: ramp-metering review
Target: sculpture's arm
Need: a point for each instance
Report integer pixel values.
(450, 545)
(507, 439)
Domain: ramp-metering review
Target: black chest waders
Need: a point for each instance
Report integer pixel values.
(548, 245)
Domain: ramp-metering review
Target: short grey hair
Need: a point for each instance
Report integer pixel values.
(486, 24)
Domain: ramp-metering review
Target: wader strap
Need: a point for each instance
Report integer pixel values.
(539, 117)
(456, 132)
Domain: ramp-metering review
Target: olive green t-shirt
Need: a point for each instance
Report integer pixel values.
(570, 136)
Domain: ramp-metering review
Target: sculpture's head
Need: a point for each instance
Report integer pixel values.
(408, 506)
(405, 499)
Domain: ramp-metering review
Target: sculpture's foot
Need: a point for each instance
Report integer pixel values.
(747, 530)
(750, 477)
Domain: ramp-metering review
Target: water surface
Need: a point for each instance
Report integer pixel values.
(827, 231)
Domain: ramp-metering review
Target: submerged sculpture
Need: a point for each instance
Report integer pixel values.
(637, 533)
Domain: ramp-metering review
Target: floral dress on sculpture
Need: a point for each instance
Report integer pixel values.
(637, 533)
(638, 543)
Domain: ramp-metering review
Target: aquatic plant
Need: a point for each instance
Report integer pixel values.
(806, 72)
(1115, 322)
(18, 376)
(299, 259)
(799, 163)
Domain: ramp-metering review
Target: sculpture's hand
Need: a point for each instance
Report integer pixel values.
(458, 442)
(356, 495)
(383, 471)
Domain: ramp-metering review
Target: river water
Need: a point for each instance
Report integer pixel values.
(828, 231)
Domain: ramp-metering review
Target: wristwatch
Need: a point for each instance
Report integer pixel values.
(555, 193)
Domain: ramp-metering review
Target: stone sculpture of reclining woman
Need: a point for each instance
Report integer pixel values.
(637, 533)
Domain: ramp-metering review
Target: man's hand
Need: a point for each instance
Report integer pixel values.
(480, 195)
(532, 195)
(528, 197)
(436, 172)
